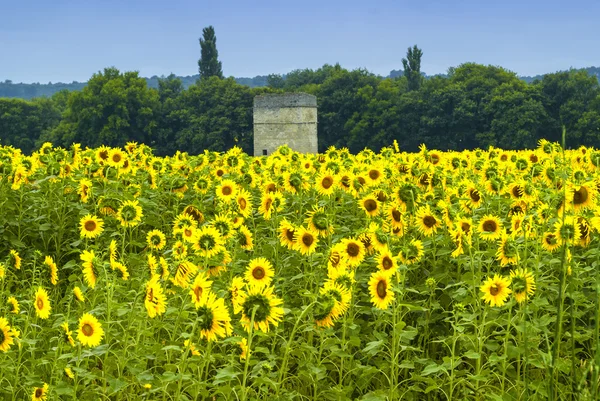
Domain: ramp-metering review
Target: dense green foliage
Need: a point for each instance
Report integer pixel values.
(209, 64)
(474, 106)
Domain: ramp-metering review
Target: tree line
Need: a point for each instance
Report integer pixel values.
(472, 106)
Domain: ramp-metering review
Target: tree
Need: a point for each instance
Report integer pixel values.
(209, 65)
(111, 110)
(412, 67)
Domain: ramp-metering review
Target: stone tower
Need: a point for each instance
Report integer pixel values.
(285, 119)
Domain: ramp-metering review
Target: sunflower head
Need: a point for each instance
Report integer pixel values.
(496, 290)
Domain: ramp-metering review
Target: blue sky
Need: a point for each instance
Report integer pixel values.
(69, 40)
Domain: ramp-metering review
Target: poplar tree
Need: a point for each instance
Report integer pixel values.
(209, 64)
(412, 67)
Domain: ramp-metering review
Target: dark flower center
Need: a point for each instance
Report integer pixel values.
(289, 233)
(490, 226)
(40, 303)
(353, 250)
(39, 392)
(396, 216)
(474, 194)
(494, 290)
(580, 196)
(258, 273)
(370, 205)
(87, 330)
(327, 182)
(307, 239)
(242, 203)
(374, 174)
(381, 289)
(226, 190)
(429, 221)
(90, 225)
(387, 263)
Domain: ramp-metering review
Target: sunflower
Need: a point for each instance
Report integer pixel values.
(550, 242)
(243, 237)
(582, 196)
(386, 261)
(353, 251)
(200, 288)
(156, 240)
(130, 213)
(208, 242)
(84, 189)
(40, 393)
(270, 202)
(155, 300)
(78, 294)
(179, 250)
(236, 290)
(244, 350)
(567, 231)
(12, 301)
(375, 175)
(102, 153)
(318, 222)
(14, 259)
(194, 213)
(91, 226)
(474, 197)
(427, 222)
(507, 252)
(213, 318)
(226, 191)
(188, 233)
(495, 290)
(244, 203)
(69, 373)
(49, 262)
(182, 221)
(380, 290)
(115, 265)
(287, 233)
(325, 183)
(192, 347)
(224, 225)
(412, 252)
(116, 158)
(90, 274)
(370, 205)
(260, 305)
(68, 334)
(184, 272)
(394, 214)
(523, 284)
(42, 304)
(259, 272)
(490, 228)
(6, 335)
(305, 241)
(90, 331)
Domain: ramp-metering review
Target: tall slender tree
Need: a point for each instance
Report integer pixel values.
(209, 64)
(412, 67)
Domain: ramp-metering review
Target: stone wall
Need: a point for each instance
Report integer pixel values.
(285, 119)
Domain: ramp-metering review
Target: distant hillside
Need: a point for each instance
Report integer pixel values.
(29, 91)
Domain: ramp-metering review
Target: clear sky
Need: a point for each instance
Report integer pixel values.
(69, 40)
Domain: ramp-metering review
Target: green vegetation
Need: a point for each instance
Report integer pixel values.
(473, 106)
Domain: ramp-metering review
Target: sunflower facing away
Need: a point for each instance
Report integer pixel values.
(213, 318)
(156, 240)
(523, 284)
(495, 290)
(130, 213)
(265, 305)
(12, 301)
(49, 262)
(42, 304)
(208, 242)
(380, 290)
(90, 331)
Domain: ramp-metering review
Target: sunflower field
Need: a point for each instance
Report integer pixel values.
(376, 276)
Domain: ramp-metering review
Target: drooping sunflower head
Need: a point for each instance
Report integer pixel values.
(243, 238)
(14, 260)
(411, 252)
(523, 284)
